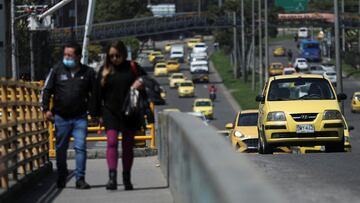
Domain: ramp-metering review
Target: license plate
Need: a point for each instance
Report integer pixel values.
(305, 128)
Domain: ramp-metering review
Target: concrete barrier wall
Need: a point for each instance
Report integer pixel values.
(200, 165)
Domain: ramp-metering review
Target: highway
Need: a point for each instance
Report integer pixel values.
(316, 177)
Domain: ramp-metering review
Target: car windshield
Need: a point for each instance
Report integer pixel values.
(357, 97)
(186, 84)
(203, 103)
(248, 119)
(200, 46)
(176, 52)
(301, 61)
(172, 63)
(300, 89)
(160, 66)
(177, 76)
(331, 73)
(276, 66)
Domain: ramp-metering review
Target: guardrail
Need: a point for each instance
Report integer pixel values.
(23, 132)
(140, 136)
(200, 166)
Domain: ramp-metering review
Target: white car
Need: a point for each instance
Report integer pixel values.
(288, 71)
(302, 64)
(328, 66)
(317, 69)
(200, 47)
(199, 65)
(303, 32)
(330, 75)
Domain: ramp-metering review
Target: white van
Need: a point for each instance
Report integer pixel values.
(199, 56)
(177, 52)
(303, 32)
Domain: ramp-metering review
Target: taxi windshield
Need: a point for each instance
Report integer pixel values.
(248, 119)
(186, 84)
(203, 103)
(300, 89)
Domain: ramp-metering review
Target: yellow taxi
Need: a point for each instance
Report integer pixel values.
(355, 102)
(243, 132)
(279, 51)
(300, 110)
(153, 54)
(191, 42)
(160, 69)
(186, 89)
(205, 106)
(276, 68)
(176, 78)
(173, 65)
(347, 145)
(167, 47)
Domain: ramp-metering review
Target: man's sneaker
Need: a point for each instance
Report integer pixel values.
(81, 184)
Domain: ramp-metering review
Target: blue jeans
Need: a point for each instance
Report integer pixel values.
(64, 128)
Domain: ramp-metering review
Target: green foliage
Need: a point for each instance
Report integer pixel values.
(241, 91)
(225, 39)
(134, 43)
(110, 10)
(94, 51)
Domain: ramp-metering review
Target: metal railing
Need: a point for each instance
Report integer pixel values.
(23, 132)
(140, 135)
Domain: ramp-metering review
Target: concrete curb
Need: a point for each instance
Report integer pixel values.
(226, 92)
(101, 153)
(28, 180)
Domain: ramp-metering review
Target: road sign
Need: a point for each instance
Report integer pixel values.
(293, 5)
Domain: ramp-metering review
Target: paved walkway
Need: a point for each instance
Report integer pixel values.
(148, 180)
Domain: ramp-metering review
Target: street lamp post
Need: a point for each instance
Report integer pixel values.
(243, 60)
(261, 82)
(343, 26)
(266, 41)
(13, 42)
(253, 44)
(339, 85)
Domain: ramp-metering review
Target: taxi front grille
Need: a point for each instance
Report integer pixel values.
(251, 143)
(304, 117)
(305, 135)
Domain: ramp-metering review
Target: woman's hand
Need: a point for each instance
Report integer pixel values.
(138, 84)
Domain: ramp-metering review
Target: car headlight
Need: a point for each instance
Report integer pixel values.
(238, 134)
(332, 115)
(276, 116)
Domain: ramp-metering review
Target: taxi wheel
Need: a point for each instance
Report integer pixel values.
(264, 147)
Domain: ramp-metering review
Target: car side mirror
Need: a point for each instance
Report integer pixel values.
(260, 98)
(229, 126)
(350, 128)
(341, 96)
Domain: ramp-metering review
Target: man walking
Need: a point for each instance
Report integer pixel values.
(70, 83)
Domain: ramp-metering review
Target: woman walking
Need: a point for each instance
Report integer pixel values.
(114, 81)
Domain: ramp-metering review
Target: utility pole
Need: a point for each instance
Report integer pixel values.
(339, 85)
(266, 23)
(88, 28)
(199, 7)
(76, 17)
(220, 3)
(243, 59)
(359, 31)
(343, 26)
(32, 58)
(235, 70)
(261, 79)
(253, 44)
(13, 42)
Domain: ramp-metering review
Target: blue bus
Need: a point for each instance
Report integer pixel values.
(310, 50)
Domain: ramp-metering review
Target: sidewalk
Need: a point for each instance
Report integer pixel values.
(148, 180)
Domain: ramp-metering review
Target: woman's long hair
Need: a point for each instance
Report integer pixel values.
(108, 65)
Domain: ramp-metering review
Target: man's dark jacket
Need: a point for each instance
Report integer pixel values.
(71, 92)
